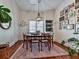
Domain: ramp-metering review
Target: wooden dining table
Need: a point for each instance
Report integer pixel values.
(30, 38)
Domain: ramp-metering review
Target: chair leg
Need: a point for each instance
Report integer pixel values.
(27, 45)
(30, 45)
(24, 43)
(49, 45)
(52, 43)
(39, 46)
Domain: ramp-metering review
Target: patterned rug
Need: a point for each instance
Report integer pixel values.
(22, 53)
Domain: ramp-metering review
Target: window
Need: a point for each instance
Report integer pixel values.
(40, 26)
(36, 26)
(32, 26)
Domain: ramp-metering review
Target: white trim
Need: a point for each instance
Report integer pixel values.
(16, 52)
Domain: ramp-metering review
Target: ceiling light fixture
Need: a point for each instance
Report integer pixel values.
(38, 15)
(33, 2)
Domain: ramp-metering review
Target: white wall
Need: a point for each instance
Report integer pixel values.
(62, 34)
(31, 15)
(10, 35)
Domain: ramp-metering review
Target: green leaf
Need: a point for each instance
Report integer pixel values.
(1, 6)
(4, 14)
(63, 42)
(75, 33)
(72, 39)
(6, 17)
(6, 10)
(72, 52)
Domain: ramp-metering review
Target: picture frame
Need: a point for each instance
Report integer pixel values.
(61, 13)
(66, 10)
(77, 19)
(77, 28)
(76, 4)
(76, 1)
(61, 19)
(71, 5)
(60, 25)
(77, 15)
(69, 26)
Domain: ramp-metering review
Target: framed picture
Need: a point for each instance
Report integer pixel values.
(60, 25)
(61, 19)
(66, 10)
(77, 27)
(77, 19)
(66, 21)
(64, 26)
(76, 1)
(77, 15)
(77, 12)
(66, 16)
(69, 26)
(76, 4)
(71, 5)
(61, 13)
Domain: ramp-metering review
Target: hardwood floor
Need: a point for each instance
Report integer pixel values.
(12, 49)
(8, 52)
(62, 46)
(61, 57)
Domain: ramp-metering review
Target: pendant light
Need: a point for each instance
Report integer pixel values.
(38, 14)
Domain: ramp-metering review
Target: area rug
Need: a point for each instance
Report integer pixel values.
(22, 53)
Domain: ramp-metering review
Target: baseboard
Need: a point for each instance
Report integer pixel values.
(16, 51)
(12, 49)
(12, 43)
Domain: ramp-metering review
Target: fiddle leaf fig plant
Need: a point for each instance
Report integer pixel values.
(4, 14)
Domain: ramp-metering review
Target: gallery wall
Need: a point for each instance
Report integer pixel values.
(62, 34)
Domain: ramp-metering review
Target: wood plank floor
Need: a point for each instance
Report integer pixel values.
(14, 47)
(8, 52)
(17, 44)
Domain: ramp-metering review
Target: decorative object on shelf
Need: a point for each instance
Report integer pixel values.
(5, 18)
(38, 18)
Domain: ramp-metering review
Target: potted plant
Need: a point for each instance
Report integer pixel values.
(5, 18)
(72, 51)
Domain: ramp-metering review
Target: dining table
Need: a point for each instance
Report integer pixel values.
(39, 38)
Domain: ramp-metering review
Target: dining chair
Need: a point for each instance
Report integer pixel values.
(34, 39)
(25, 41)
(46, 40)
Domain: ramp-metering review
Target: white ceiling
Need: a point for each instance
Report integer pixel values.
(44, 5)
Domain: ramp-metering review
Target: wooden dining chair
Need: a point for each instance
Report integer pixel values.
(45, 40)
(34, 39)
(25, 41)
